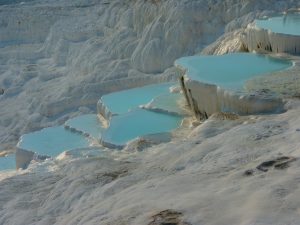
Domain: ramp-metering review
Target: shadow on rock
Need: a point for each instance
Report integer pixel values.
(168, 217)
(279, 163)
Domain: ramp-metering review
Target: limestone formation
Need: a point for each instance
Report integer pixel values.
(278, 33)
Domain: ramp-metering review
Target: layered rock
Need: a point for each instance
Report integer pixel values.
(262, 39)
(206, 99)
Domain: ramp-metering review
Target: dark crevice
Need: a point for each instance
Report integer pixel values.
(181, 81)
(198, 114)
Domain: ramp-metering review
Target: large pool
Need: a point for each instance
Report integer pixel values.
(138, 123)
(52, 141)
(123, 101)
(285, 24)
(8, 162)
(230, 70)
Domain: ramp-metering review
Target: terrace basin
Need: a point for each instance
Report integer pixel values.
(216, 83)
(278, 34)
(137, 123)
(230, 71)
(284, 24)
(52, 141)
(167, 103)
(123, 101)
(8, 162)
(89, 125)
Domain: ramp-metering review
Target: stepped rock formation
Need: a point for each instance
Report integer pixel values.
(264, 40)
(60, 56)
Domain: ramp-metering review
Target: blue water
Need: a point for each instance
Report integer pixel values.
(131, 122)
(285, 24)
(87, 123)
(136, 123)
(167, 103)
(8, 162)
(230, 70)
(52, 141)
(123, 101)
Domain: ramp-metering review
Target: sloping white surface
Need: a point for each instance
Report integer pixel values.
(201, 175)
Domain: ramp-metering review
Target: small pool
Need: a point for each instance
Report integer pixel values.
(230, 70)
(167, 103)
(137, 123)
(8, 162)
(88, 124)
(84, 153)
(52, 141)
(285, 24)
(123, 101)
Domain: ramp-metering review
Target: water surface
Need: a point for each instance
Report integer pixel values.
(52, 141)
(285, 24)
(167, 103)
(230, 70)
(8, 162)
(89, 124)
(124, 101)
(137, 123)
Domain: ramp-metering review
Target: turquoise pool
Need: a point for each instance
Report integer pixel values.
(137, 123)
(285, 24)
(8, 162)
(123, 101)
(129, 122)
(230, 70)
(89, 124)
(167, 103)
(52, 141)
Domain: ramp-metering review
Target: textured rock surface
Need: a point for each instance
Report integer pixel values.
(263, 40)
(206, 99)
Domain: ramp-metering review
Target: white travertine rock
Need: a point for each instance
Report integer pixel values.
(206, 99)
(263, 40)
(23, 158)
(141, 143)
(228, 43)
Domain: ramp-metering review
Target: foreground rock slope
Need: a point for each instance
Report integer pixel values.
(224, 172)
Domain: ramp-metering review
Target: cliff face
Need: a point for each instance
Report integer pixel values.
(59, 56)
